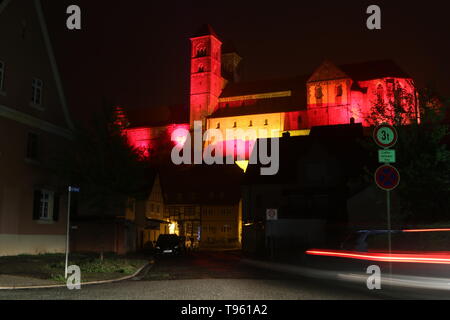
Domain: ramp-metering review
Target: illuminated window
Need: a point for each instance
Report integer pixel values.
(46, 205)
(2, 75)
(33, 146)
(36, 91)
(380, 92)
(339, 93)
(319, 95)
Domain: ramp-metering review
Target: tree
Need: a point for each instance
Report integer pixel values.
(423, 157)
(106, 168)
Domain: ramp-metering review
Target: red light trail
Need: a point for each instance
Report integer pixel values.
(443, 258)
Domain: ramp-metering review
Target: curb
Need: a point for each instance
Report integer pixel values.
(83, 283)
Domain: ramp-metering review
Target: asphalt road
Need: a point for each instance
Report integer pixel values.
(202, 276)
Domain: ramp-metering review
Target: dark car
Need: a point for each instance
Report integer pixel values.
(169, 244)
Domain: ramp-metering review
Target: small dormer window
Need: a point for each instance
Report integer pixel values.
(339, 91)
(251, 123)
(266, 122)
(218, 125)
(235, 125)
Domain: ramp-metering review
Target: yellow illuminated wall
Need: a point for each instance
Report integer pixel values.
(272, 123)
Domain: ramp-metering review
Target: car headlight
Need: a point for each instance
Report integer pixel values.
(176, 247)
(158, 248)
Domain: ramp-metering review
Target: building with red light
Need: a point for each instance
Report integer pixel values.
(330, 95)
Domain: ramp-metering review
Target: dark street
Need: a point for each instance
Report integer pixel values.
(203, 276)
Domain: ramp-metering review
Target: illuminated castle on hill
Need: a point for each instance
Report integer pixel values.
(331, 95)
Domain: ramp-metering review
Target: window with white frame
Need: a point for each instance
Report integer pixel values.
(36, 91)
(46, 205)
(2, 75)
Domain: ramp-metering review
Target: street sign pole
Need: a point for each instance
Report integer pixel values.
(71, 189)
(388, 202)
(67, 233)
(387, 177)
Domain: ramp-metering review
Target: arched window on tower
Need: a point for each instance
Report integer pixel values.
(339, 94)
(201, 52)
(319, 95)
(201, 68)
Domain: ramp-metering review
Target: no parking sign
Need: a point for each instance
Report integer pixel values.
(272, 214)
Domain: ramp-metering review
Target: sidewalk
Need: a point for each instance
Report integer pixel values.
(19, 281)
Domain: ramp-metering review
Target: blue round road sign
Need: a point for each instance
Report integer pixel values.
(387, 177)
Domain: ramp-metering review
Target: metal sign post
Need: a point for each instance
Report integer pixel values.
(71, 189)
(387, 177)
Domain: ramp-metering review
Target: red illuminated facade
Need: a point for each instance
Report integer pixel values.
(330, 95)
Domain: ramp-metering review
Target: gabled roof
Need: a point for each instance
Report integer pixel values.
(262, 106)
(54, 69)
(205, 30)
(373, 70)
(296, 83)
(295, 102)
(369, 70)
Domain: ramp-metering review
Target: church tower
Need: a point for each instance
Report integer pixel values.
(206, 78)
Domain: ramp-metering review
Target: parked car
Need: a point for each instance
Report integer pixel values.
(169, 244)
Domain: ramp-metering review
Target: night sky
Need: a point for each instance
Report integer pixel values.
(136, 53)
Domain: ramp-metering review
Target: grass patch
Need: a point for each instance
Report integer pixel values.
(51, 266)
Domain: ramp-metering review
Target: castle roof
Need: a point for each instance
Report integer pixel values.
(370, 70)
(205, 30)
(296, 101)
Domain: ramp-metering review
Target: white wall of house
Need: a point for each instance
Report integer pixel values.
(15, 244)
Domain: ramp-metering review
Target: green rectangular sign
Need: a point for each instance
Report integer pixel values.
(386, 156)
